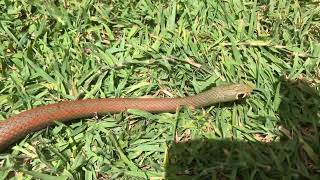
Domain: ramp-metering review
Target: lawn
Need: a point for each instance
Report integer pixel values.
(64, 50)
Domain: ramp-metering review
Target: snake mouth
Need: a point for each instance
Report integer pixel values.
(242, 95)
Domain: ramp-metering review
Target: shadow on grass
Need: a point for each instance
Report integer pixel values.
(294, 156)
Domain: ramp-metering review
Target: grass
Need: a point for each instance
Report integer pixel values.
(64, 50)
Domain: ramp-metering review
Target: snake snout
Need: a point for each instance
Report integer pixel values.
(244, 90)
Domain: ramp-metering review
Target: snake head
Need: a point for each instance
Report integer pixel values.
(242, 90)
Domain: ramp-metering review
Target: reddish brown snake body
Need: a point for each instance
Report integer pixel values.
(35, 119)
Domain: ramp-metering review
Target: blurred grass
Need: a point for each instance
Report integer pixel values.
(64, 50)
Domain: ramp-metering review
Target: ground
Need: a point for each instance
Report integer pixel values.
(63, 50)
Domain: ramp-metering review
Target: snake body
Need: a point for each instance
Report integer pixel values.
(18, 126)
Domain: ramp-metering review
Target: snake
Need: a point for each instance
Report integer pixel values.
(35, 119)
